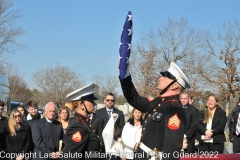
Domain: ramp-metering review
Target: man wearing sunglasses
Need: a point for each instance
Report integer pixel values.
(165, 119)
(106, 112)
(109, 109)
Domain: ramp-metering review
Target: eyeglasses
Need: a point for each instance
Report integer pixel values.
(15, 116)
(167, 74)
(112, 100)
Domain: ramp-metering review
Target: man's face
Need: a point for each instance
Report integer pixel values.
(109, 101)
(163, 82)
(184, 99)
(50, 111)
(1, 110)
(33, 111)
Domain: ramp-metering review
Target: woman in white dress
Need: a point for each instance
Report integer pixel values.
(131, 133)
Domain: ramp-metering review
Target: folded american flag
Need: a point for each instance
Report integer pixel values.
(125, 46)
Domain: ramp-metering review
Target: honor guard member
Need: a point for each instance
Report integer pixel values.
(81, 141)
(165, 119)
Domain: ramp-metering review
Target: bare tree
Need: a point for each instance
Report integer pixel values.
(8, 32)
(54, 83)
(225, 47)
(107, 84)
(145, 71)
(193, 67)
(18, 87)
(176, 41)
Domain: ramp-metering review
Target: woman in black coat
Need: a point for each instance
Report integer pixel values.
(211, 128)
(19, 136)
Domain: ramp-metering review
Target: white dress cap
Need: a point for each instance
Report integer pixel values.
(179, 75)
(84, 93)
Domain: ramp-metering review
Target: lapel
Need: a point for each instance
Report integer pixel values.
(55, 126)
(215, 116)
(187, 109)
(114, 110)
(105, 113)
(93, 117)
(48, 128)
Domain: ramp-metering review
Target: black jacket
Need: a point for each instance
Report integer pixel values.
(218, 124)
(233, 121)
(31, 121)
(21, 142)
(97, 125)
(164, 123)
(80, 139)
(43, 138)
(192, 122)
(103, 113)
(3, 133)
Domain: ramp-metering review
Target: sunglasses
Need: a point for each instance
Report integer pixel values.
(109, 100)
(167, 74)
(15, 116)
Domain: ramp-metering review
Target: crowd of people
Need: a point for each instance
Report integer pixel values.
(158, 128)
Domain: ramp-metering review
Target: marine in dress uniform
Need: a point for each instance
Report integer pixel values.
(165, 119)
(81, 141)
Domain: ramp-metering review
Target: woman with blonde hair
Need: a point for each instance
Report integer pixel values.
(211, 127)
(80, 137)
(131, 133)
(19, 135)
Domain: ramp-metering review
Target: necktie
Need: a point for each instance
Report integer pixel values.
(54, 136)
(109, 114)
(238, 125)
(184, 106)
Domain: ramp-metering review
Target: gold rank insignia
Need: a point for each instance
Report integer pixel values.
(77, 137)
(174, 122)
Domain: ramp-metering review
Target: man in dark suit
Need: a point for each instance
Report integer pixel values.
(107, 111)
(234, 128)
(46, 134)
(3, 131)
(96, 123)
(192, 121)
